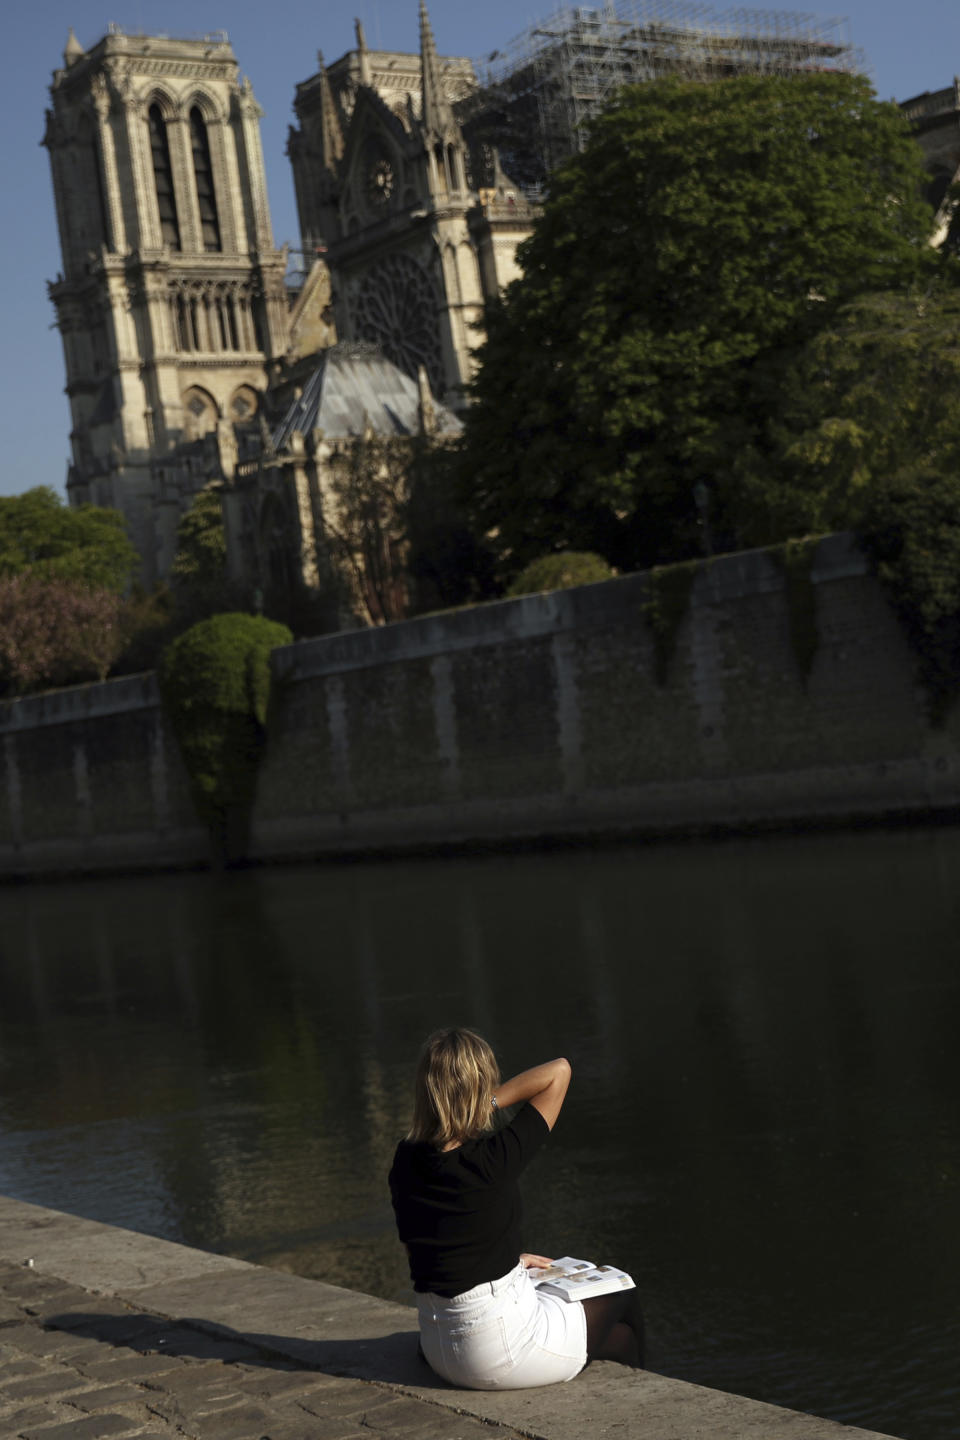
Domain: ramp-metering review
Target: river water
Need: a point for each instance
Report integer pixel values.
(763, 1126)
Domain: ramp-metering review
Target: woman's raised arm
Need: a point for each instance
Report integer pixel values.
(545, 1086)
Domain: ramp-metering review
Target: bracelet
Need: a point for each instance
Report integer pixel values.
(493, 1103)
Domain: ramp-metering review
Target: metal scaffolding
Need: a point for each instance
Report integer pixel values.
(537, 96)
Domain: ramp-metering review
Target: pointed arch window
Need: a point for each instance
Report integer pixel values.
(203, 175)
(163, 176)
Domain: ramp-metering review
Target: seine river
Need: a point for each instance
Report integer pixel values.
(764, 1123)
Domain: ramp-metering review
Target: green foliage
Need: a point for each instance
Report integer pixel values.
(198, 575)
(448, 562)
(876, 392)
(705, 230)
(910, 530)
(560, 572)
(86, 544)
(201, 542)
(215, 684)
(148, 622)
(669, 588)
(797, 557)
(865, 434)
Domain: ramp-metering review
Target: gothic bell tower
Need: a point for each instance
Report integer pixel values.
(171, 301)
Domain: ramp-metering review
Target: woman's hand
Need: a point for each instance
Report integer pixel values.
(535, 1262)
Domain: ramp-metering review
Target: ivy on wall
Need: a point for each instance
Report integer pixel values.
(796, 558)
(215, 690)
(669, 588)
(910, 533)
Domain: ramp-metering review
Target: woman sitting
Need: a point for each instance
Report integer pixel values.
(483, 1323)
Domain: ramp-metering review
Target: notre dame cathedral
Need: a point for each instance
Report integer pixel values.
(190, 360)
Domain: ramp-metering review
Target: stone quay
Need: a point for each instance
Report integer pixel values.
(108, 1333)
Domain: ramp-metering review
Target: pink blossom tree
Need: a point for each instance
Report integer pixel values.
(55, 631)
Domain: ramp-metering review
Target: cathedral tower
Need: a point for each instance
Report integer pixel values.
(417, 239)
(171, 301)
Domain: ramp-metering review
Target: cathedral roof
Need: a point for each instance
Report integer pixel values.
(355, 388)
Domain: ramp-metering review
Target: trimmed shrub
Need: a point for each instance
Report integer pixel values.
(560, 572)
(215, 685)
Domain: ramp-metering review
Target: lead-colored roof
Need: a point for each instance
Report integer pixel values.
(355, 388)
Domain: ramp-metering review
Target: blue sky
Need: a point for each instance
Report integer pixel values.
(908, 47)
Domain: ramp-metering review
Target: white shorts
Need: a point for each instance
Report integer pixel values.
(503, 1335)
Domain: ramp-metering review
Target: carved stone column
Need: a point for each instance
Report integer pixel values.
(149, 236)
(226, 187)
(184, 189)
(106, 154)
(249, 117)
(241, 242)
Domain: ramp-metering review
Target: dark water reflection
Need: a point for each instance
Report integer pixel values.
(764, 1125)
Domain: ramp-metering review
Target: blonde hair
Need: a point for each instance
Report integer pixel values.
(453, 1097)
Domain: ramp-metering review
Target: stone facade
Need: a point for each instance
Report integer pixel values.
(182, 342)
(419, 231)
(284, 511)
(935, 118)
(171, 301)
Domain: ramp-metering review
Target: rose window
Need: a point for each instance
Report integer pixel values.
(396, 307)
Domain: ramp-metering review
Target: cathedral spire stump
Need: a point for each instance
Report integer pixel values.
(366, 74)
(438, 119)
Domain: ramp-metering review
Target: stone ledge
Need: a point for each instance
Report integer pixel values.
(540, 616)
(343, 1333)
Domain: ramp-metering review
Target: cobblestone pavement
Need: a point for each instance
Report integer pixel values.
(77, 1366)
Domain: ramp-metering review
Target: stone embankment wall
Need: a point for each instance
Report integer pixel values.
(528, 718)
(91, 779)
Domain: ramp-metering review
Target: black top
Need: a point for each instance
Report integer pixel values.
(458, 1211)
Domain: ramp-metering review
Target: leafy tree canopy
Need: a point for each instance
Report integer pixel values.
(704, 229)
(867, 435)
(866, 405)
(198, 576)
(201, 555)
(87, 543)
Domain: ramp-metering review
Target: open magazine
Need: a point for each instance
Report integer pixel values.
(579, 1279)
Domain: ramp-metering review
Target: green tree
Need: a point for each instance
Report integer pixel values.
(449, 563)
(910, 530)
(198, 576)
(86, 544)
(865, 434)
(872, 398)
(705, 229)
(148, 622)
